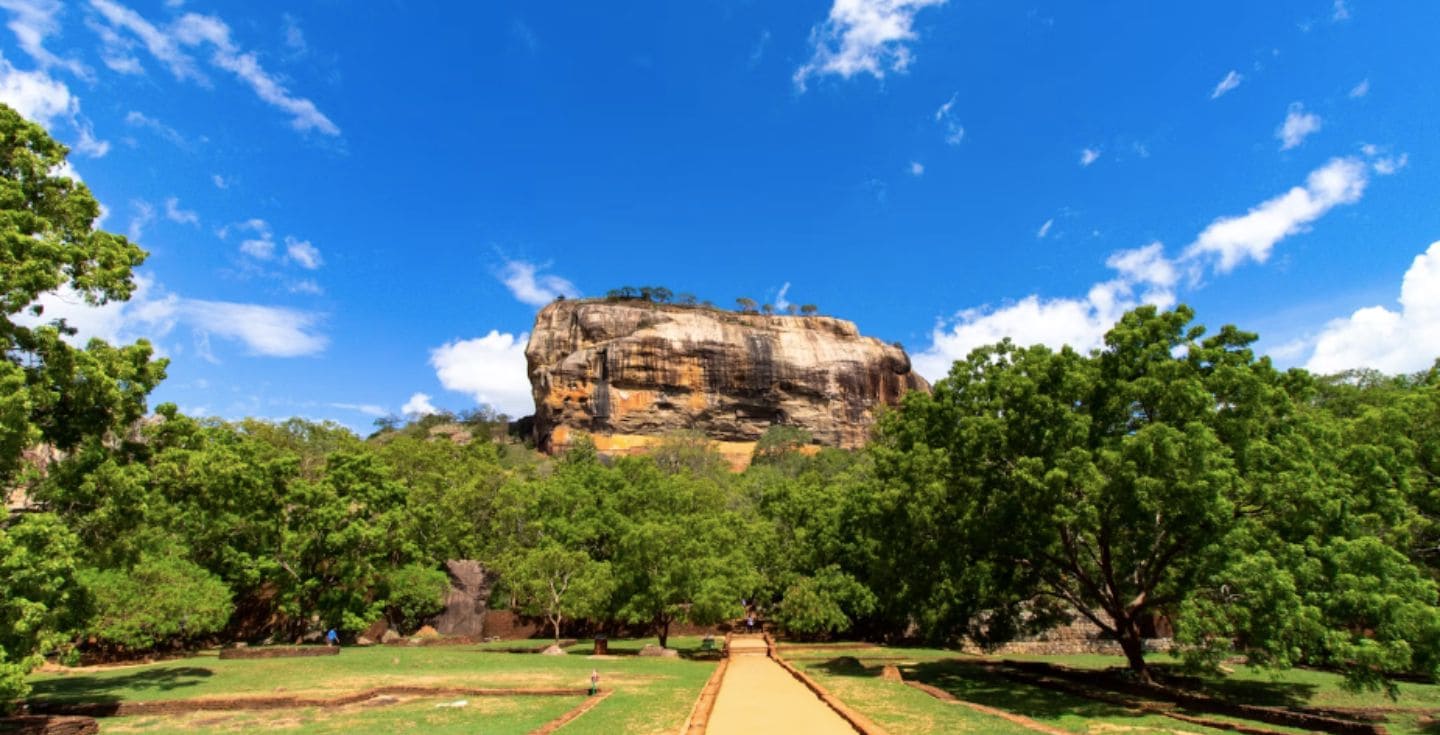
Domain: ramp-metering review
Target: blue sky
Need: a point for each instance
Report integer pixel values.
(356, 208)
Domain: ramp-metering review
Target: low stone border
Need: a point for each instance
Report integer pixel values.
(182, 706)
(564, 643)
(705, 704)
(565, 719)
(861, 723)
(43, 725)
(278, 652)
(1020, 720)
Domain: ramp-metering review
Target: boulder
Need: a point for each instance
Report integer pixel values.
(467, 600)
(553, 650)
(651, 649)
(390, 637)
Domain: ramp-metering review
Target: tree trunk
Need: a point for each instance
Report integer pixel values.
(664, 630)
(555, 621)
(1133, 645)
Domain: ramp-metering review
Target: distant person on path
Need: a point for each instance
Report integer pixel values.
(750, 623)
(332, 638)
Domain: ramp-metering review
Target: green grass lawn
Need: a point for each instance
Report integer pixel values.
(491, 715)
(905, 709)
(651, 694)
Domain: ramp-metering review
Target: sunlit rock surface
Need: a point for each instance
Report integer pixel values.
(627, 373)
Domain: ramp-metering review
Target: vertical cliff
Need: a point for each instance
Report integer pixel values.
(628, 372)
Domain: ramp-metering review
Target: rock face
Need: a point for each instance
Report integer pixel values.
(467, 600)
(629, 372)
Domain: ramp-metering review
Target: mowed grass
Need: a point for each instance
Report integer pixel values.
(497, 716)
(651, 695)
(853, 674)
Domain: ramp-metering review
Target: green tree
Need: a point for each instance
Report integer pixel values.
(809, 309)
(679, 554)
(1165, 474)
(40, 600)
(160, 599)
(747, 305)
(414, 592)
(558, 583)
(51, 392)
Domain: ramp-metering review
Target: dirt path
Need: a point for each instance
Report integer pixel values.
(759, 696)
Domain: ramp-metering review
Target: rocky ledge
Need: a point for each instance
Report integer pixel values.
(629, 372)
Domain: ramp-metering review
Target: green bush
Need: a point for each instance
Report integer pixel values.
(415, 592)
(159, 599)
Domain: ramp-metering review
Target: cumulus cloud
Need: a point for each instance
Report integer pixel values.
(262, 245)
(1143, 276)
(531, 287)
(304, 254)
(1231, 81)
(863, 37)
(1045, 229)
(419, 405)
(1228, 241)
(1360, 90)
(1089, 156)
(917, 168)
(1391, 341)
(144, 215)
(35, 95)
(194, 31)
(1298, 126)
(490, 369)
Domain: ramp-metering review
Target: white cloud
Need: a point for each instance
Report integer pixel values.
(1045, 228)
(780, 301)
(491, 369)
(917, 168)
(141, 120)
(307, 286)
(1341, 11)
(862, 36)
(193, 30)
(369, 409)
(954, 131)
(220, 181)
(536, 290)
(1232, 240)
(88, 144)
(146, 314)
(1390, 164)
(419, 405)
(1078, 322)
(35, 95)
(1407, 340)
(259, 248)
(1360, 90)
(144, 215)
(174, 213)
(32, 21)
(294, 37)
(303, 253)
(1089, 156)
(152, 313)
(159, 43)
(116, 51)
(1231, 81)
(1298, 125)
(269, 331)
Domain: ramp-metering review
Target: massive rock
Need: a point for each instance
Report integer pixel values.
(628, 372)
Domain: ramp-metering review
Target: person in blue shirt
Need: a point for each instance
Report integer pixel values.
(332, 638)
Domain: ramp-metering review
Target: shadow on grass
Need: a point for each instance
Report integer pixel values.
(974, 683)
(105, 689)
(1242, 691)
(845, 666)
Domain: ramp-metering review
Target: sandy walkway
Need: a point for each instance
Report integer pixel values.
(759, 696)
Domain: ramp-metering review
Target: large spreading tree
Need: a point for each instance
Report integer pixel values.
(1167, 475)
(52, 392)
